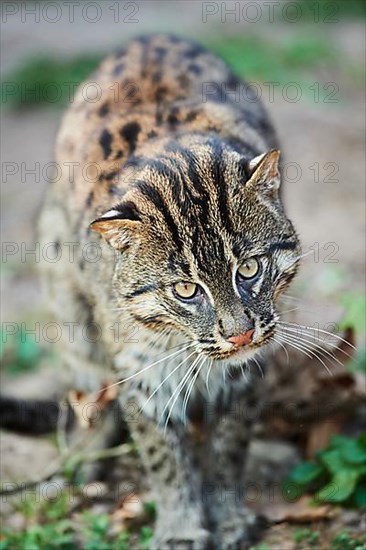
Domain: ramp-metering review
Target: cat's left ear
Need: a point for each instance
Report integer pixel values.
(120, 226)
(265, 174)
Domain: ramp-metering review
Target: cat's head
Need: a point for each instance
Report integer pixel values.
(205, 246)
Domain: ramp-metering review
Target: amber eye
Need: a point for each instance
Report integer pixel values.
(185, 290)
(249, 268)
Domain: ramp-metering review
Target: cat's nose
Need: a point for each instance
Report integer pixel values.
(242, 339)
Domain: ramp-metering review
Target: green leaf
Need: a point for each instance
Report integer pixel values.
(359, 496)
(146, 535)
(337, 441)
(100, 524)
(28, 350)
(40, 72)
(358, 362)
(150, 508)
(306, 535)
(353, 453)
(122, 541)
(355, 305)
(362, 440)
(306, 472)
(332, 460)
(340, 488)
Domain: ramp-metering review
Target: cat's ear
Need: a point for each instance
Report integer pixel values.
(119, 226)
(264, 173)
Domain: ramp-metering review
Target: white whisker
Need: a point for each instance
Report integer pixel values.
(288, 298)
(153, 343)
(173, 347)
(304, 255)
(243, 373)
(176, 393)
(259, 367)
(290, 310)
(147, 368)
(165, 379)
(290, 327)
(209, 367)
(282, 346)
(300, 301)
(301, 347)
(190, 386)
(318, 330)
(296, 347)
(318, 346)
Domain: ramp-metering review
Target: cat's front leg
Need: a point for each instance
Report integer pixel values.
(235, 527)
(171, 463)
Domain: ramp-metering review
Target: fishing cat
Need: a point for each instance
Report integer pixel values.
(178, 248)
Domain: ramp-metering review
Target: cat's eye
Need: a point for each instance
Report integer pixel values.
(185, 290)
(249, 268)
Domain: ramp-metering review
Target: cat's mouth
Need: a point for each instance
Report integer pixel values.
(239, 356)
(226, 350)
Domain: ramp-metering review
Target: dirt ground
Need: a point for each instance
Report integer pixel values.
(329, 215)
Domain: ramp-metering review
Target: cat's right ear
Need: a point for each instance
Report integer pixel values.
(264, 173)
(119, 226)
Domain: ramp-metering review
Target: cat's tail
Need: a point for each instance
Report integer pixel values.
(33, 416)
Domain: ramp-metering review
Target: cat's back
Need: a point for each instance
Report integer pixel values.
(142, 91)
(156, 86)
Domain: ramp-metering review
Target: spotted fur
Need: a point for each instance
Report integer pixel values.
(185, 188)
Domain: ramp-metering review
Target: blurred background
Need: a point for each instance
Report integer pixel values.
(306, 61)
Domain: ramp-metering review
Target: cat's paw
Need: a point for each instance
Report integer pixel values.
(191, 539)
(239, 533)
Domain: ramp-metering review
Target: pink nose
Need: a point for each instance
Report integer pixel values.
(242, 339)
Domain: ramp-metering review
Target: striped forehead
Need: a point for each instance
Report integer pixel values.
(188, 193)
